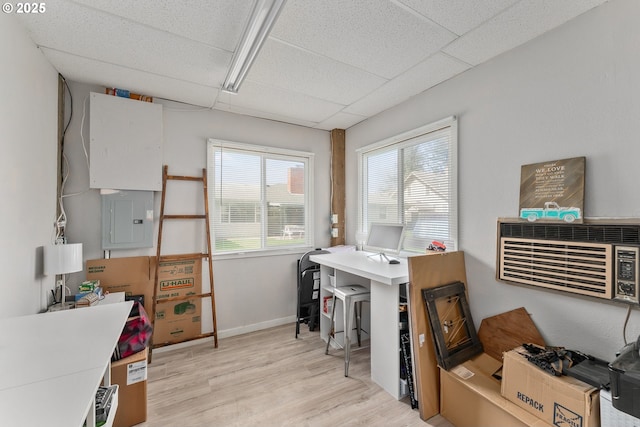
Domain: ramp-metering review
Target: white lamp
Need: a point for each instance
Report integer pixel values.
(263, 17)
(63, 259)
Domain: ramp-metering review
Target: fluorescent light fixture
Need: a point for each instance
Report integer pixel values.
(264, 15)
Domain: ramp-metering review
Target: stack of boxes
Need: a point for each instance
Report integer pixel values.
(501, 387)
(470, 397)
(89, 293)
(174, 321)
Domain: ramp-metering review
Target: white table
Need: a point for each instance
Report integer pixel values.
(384, 281)
(51, 364)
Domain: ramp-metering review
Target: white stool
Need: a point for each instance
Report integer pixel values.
(352, 297)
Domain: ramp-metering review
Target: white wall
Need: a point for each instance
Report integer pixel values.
(28, 134)
(251, 293)
(572, 92)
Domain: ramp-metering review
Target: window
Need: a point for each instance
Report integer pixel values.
(411, 179)
(259, 197)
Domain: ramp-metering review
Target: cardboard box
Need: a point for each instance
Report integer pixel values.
(136, 276)
(470, 397)
(131, 275)
(131, 376)
(560, 401)
(178, 278)
(177, 321)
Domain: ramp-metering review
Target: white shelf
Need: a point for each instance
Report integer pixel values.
(55, 362)
(381, 317)
(114, 408)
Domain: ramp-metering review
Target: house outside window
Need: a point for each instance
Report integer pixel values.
(259, 197)
(411, 179)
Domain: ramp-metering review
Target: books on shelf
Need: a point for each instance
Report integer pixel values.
(88, 300)
(327, 304)
(88, 286)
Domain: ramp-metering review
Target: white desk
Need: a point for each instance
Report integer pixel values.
(384, 281)
(51, 364)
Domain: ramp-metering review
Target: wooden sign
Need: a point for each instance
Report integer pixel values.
(553, 191)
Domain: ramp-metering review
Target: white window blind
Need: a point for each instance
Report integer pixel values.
(411, 179)
(259, 197)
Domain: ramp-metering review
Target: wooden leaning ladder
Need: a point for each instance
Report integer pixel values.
(164, 258)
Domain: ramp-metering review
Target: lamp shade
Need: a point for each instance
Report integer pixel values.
(63, 259)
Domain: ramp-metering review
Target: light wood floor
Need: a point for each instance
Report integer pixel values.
(270, 378)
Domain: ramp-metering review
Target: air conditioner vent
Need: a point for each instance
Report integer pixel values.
(630, 235)
(595, 233)
(580, 234)
(565, 233)
(578, 267)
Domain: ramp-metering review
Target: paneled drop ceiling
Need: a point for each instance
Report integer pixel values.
(327, 63)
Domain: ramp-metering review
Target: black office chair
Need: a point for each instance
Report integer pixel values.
(308, 310)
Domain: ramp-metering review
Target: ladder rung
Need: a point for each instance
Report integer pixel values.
(184, 217)
(206, 335)
(184, 178)
(182, 298)
(180, 257)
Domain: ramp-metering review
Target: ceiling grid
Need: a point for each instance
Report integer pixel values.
(326, 64)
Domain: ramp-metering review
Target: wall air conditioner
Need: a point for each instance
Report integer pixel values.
(574, 258)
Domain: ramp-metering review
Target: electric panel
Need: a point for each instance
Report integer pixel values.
(127, 219)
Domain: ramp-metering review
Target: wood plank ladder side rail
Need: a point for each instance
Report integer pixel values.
(177, 257)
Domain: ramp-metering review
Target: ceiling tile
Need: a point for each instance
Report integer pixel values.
(374, 35)
(281, 102)
(458, 16)
(327, 64)
(340, 120)
(83, 31)
(427, 74)
(298, 70)
(263, 115)
(517, 25)
(217, 23)
(84, 70)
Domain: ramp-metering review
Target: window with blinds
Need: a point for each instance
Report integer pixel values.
(259, 197)
(411, 179)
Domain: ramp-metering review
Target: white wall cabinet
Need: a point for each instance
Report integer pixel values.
(126, 143)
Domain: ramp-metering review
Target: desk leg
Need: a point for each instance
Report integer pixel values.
(91, 416)
(325, 318)
(385, 337)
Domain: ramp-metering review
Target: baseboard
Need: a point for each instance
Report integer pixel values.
(230, 333)
(256, 327)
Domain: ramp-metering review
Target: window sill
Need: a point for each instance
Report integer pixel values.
(262, 253)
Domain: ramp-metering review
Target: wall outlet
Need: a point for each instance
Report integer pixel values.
(334, 232)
